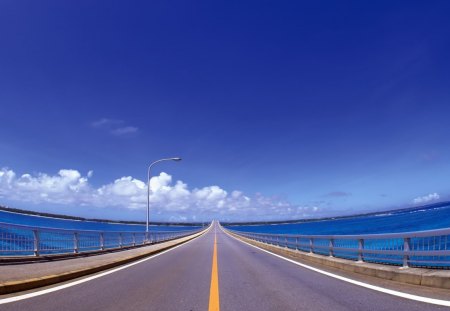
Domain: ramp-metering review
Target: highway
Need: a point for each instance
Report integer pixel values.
(212, 272)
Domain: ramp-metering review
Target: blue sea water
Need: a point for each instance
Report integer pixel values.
(38, 221)
(401, 221)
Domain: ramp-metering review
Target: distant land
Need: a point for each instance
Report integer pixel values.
(395, 211)
(33, 213)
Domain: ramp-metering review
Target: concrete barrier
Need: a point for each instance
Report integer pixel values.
(416, 276)
(31, 283)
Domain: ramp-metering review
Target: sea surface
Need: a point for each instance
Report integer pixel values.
(39, 221)
(395, 221)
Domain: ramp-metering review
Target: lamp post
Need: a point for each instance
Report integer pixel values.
(148, 189)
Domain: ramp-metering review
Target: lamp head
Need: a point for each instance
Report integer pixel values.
(176, 159)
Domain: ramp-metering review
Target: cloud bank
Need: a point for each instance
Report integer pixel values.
(168, 199)
(426, 198)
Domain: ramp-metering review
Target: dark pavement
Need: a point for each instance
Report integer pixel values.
(29, 270)
(248, 278)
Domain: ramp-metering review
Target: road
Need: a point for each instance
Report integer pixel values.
(244, 278)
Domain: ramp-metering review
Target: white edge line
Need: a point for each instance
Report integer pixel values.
(373, 287)
(90, 278)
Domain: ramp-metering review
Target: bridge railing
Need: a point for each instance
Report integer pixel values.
(429, 249)
(20, 240)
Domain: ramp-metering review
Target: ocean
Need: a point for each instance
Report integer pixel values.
(39, 221)
(389, 222)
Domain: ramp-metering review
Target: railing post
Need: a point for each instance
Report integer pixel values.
(331, 248)
(134, 239)
(406, 248)
(360, 250)
(75, 242)
(120, 240)
(296, 243)
(36, 242)
(311, 245)
(102, 241)
(286, 242)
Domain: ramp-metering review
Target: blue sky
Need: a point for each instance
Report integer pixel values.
(279, 110)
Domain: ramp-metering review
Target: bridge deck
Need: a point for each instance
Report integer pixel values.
(28, 270)
(248, 279)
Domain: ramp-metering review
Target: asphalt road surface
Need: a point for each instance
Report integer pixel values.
(247, 279)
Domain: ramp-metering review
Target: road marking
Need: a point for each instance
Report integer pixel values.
(214, 289)
(60, 287)
(369, 286)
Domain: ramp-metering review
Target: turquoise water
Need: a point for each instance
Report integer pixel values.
(37, 221)
(22, 242)
(402, 221)
(418, 220)
(392, 222)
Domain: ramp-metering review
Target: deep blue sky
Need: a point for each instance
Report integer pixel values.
(339, 105)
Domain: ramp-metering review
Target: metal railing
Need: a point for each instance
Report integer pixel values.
(20, 240)
(429, 249)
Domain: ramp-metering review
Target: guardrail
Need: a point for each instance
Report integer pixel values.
(20, 240)
(430, 249)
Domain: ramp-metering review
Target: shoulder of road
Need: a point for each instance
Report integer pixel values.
(425, 278)
(26, 276)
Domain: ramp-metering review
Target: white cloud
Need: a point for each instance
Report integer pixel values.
(115, 127)
(426, 198)
(168, 200)
(68, 186)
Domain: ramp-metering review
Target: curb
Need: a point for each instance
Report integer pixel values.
(415, 276)
(22, 285)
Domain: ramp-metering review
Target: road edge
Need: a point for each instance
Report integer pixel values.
(342, 278)
(22, 285)
(416, 276)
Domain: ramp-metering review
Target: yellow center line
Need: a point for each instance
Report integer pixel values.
(214, 289)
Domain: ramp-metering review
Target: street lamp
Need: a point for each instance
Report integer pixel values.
(148, 189)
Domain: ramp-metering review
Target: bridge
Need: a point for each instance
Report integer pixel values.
(217, 270)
